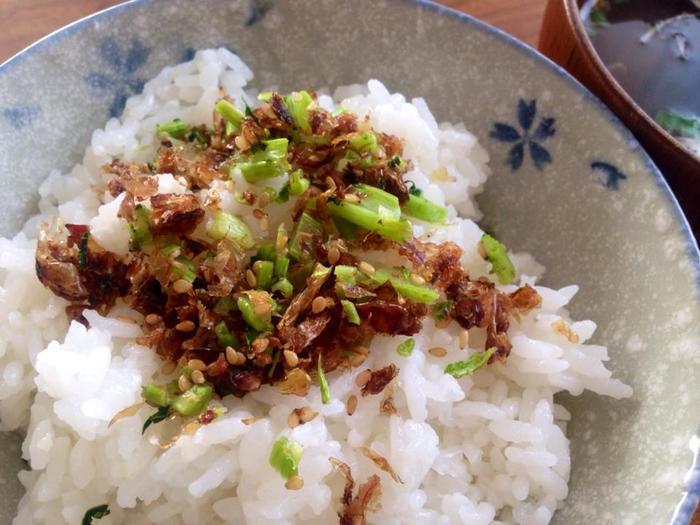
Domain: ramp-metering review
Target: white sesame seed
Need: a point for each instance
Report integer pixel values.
(351, 405)
(182, 286)
(318, 305)
(291, 358)
(184, 326)
(363, 378)
(198, 377)
(437, 351)
(183, 383)
(196, 364)
(366, 268)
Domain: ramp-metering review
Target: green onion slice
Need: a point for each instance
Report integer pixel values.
(470, 365)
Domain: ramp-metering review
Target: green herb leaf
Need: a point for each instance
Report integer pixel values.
(406, 347)
(323, 383)
(498, 257)
(441, 310)
(225, 337)
(396, 162)
(95, 513)
(285, 457)
(159, 416)
(470, 365)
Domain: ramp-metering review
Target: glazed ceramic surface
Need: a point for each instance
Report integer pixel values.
(569, 185)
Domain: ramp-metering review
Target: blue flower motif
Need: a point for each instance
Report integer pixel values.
(608, 175)
(22, 116)
(121, 79)
(258, 9)
(532, 140)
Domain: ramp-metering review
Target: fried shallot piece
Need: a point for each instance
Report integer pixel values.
(354, 508)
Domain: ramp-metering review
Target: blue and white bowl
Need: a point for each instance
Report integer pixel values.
(570, 185)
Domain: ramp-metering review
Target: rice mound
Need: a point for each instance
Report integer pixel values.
(488, 448)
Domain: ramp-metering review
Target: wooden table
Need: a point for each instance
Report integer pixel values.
(25, 21)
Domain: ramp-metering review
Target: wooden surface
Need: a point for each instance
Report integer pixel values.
(25, 21)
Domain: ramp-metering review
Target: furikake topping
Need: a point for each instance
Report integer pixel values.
(236, 302)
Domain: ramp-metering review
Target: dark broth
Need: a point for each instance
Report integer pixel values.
(654, 53)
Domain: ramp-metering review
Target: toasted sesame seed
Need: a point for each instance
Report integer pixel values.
(196, 364)
(417, 279)
(294, 483)
(182, 286)
(153, 319)
(366, 268)
(291, 358)
(437, 351)
(351, 405)
(281, 242)
(198, 377)
(260, 345)
(318, 305)
(351, 197)
(258, 213)
(363, 378)
(249, 420)
(183, 383)
(361, 350)
(184, 326)
(250, 278)
(241, 142)
(231, 355)
(463, 338)
(264, 199)
(307, 414)
(293, 419)
(333, 254)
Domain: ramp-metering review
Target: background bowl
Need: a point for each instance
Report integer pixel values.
(564, 39)
(569, 184)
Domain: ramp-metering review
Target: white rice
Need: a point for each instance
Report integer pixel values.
(490, 448)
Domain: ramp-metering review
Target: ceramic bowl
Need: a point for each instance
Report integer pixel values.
(570, 184)
(564, 39)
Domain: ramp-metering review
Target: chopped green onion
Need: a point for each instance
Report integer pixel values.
(183, 268)
(498, 257)
(346, 229)
(196, 135)
(263, 274)
(230, 112)
(470, 365)
(413, 189)
(266, 252)
(298, 184)
(409, 290)
(285, 457)
(424, 209)
(365, 141)
(230, 129)
(139, 228)
(262, 170)
(192, 401)
(281, 266)
(155, 395)
(225, 337)
(275, 362)
(392, 229)
(176, 128)
(350, 311)
(83, 250)
(284, 287)
(677, 124)
(379, 201)
(95, 513)
(345, 274)
(306, 233)
(227, 226)
(157, 417)
(320, 271)
(265, 96)
(323, 383)
(258, 322)
(298, 104)
(274, 149)
(441, 310)
(406, 347)
(224, 305)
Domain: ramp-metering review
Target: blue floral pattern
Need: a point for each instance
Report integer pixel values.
(120, 79)
(526, 139)
(21, 116)
(258, 9)
(608, 175)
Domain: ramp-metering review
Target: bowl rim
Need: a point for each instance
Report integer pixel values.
(692, 494)
(583, 40)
